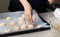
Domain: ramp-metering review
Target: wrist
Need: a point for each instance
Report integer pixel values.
(30, 10)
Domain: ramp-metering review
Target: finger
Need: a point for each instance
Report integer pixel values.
(30, 21)
(29, 18)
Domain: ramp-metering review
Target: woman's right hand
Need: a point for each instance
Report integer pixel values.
(28, 15)
(28, 10)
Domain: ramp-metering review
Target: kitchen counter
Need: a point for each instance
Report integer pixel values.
(47, 16)
(45, 33)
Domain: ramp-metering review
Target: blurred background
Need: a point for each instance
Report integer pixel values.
(5, 3)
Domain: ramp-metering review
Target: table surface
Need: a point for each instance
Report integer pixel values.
(45, 33)
(47, 16)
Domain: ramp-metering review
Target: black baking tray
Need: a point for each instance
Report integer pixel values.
(26, 31)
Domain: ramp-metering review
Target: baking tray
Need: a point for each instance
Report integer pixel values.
(16, 15)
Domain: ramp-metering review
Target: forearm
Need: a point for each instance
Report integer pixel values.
(26, 5)
(28, 10)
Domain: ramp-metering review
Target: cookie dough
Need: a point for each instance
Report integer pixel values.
(23, 16)
(34, 19)
(24, 27)
(21, 19)
(9, 18)
(16, 28)
(39, 26)
(7, 30)
(21, 22)
(13, 23)
(3, 24)
(31, 26)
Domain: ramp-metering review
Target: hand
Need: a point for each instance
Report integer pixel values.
(51, 1)
(28, 15)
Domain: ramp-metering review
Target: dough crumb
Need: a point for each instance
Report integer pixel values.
(39, 26)
(16, 28)
(3, 24)
(13, 23)
(9, 18)
(24, 27)
(21, 19)
(7, 30)
(34, 19)
(21, 22)
(31, 26)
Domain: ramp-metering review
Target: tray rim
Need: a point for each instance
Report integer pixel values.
(25, 32)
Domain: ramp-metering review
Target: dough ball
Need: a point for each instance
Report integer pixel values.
(16, 28)
(7, 30)
(21, 22)
(23, 16)
(39, 26)
(24, 27)
(31, 26)
(21, 19)
(9, 18)
(34, 19)
(13, 23)
(3, 24)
